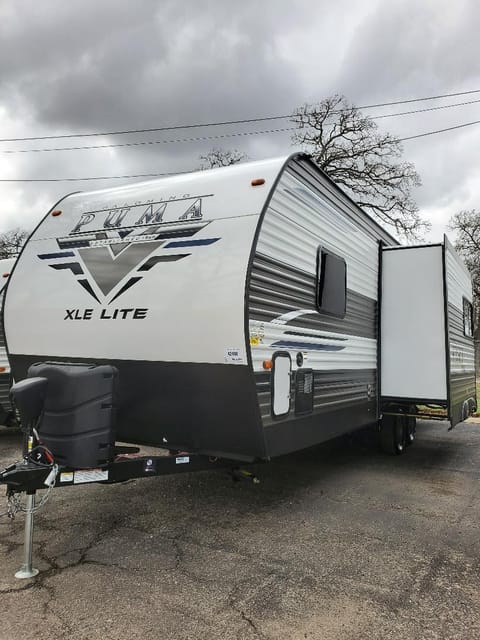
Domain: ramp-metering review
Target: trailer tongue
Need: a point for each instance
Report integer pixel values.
(68, 413)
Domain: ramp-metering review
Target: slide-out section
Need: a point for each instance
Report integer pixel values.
(426, 338)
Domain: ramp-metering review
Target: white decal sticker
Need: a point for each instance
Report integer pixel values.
(90, 475)
(182, 459)
(233, 355)
(66, 476)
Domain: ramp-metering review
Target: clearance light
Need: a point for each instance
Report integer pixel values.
(267, 364)
(3, 369)
(257, 182)
(5, 275)
(56, 213)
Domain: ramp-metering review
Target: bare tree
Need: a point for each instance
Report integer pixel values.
(221, 158)
(363, 161)
(466, 224)
(11, 242)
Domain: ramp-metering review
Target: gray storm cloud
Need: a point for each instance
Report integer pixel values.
(100, 66)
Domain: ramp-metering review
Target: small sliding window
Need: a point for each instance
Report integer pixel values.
(467, 318)
(331, 283)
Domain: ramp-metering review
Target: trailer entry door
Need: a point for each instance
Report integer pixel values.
(282, 366)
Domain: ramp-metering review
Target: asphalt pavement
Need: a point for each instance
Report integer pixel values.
(336, 542)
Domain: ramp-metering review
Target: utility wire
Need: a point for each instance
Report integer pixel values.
(152, 142)
(150, 175)
(138, 175)
(445, 95)
(219, 136)
(407, 113)
(226, 122)
(431, 133)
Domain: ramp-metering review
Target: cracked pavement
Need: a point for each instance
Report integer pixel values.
(337, 542)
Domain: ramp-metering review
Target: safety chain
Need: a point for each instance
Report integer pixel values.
(14, 501)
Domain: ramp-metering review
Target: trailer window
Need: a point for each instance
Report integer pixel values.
(467, 318)
(331, 283)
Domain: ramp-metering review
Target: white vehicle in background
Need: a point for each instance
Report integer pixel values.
(6, 413)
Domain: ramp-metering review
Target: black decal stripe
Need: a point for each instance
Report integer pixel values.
(74, 267)
(151, 262)
(126, 286)
(73, 244)
(313, 335)
(312, 346)
(179, 233)
(191, 243)
(88, 287)
(51, 256)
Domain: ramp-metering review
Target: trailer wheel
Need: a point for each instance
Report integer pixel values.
(393, 435)
(411, 428)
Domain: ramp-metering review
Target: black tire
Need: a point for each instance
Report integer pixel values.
(411, 429)
(393, 435)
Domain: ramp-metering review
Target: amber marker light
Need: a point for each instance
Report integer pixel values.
(56, 213)
(267, 364)
(3, 369)
(257, 182)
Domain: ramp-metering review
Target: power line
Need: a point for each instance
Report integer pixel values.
(445, 95)
(153, 142)
(407, 113)
(151, 130)
(153, 175)
(138, 175)
(224, 123)
(431, 133)
(219, 136)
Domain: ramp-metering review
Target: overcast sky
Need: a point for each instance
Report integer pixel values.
(84, 66)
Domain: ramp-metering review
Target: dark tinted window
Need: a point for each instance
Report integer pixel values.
(467, 318)
(331, 283)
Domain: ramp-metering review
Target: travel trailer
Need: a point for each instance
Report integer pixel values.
(250, 311)
(227, 316)
(6, 412)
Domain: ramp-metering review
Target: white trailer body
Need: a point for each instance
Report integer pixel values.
(239, 305)
(427, 351)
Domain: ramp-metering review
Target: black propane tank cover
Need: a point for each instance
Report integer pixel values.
(78, 423)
